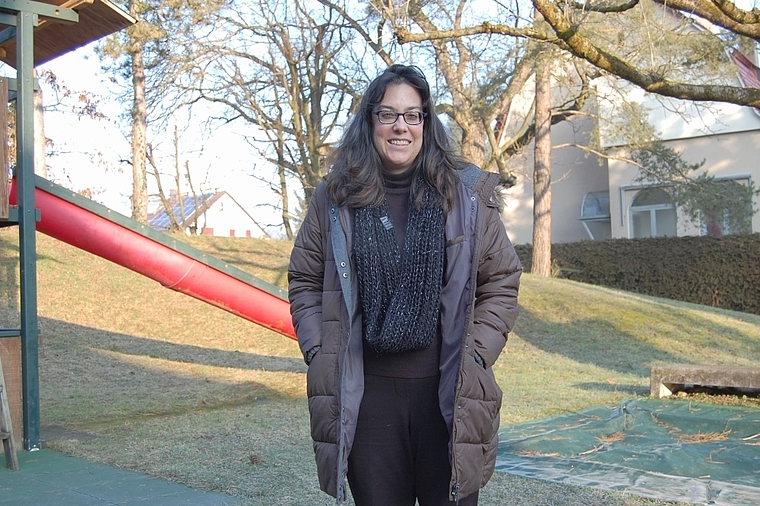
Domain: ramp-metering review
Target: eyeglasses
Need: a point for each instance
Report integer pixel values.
(390, 117)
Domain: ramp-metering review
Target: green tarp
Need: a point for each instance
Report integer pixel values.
(665, 449)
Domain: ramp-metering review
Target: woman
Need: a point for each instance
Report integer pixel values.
(403, 288)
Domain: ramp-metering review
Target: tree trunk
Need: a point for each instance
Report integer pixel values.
(285, 201)
(139, 132)
(542, 173)
(473, 148)
(40, 141)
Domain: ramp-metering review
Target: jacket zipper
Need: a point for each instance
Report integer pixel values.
(455, 493)
(341, 470)
(455, 423)
(463, 354)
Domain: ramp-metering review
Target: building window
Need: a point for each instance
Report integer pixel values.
(595, 215)
(596, 205)
(653, 214)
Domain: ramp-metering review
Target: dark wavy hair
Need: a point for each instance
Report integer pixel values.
(355, 176)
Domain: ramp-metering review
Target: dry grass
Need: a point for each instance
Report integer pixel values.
(615, 437)
(176, 388)
(700, 437)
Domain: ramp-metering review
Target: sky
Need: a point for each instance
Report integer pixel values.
(91, 154)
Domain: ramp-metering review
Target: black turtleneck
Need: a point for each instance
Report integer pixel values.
(410, 364)
(397, 188)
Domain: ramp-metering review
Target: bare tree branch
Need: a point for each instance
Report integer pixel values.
(568, 36)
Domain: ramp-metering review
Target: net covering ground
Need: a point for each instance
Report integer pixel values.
(665, 449)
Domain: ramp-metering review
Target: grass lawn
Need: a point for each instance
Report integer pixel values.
(158, 382)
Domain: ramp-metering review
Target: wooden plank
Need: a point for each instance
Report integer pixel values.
(97, 19)
(10, 354)
(9, 445)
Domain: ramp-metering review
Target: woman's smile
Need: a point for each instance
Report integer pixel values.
(398, 143)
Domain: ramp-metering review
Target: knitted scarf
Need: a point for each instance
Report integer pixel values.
(400, 291)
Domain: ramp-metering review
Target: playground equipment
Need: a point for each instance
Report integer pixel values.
(31, 33)
(79, 221)
(34, 32)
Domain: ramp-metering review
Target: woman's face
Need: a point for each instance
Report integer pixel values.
(398, 143)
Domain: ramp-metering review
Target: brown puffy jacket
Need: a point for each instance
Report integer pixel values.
(325, 310)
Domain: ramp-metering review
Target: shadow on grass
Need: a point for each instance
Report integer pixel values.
(90, 377)
(594, 342)
(185, 353)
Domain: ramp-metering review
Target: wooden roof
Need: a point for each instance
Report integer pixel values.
(52, 38)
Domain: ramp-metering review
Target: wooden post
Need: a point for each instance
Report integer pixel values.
(10, 356)
(6, 427)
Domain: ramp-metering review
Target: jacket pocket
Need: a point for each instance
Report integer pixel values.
(479, 402)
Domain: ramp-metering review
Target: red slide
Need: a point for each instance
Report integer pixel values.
(85, 224)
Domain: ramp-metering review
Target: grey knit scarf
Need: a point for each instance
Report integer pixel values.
(400, 291)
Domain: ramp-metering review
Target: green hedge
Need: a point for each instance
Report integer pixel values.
(715, 271)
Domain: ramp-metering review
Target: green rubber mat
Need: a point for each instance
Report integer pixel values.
(48, 478)
(663, 449)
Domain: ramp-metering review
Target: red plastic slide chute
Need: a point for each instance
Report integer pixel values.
(132, 247)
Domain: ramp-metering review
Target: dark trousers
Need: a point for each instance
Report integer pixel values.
(400, 452)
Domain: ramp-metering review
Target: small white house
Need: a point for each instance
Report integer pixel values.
(215, 214)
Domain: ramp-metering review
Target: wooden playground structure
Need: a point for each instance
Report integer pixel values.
(41, 205)
(32, 33)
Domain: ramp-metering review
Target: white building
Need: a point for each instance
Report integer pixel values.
(215, 214)
(597, 198)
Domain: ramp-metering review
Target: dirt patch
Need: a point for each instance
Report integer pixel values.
(52, 433)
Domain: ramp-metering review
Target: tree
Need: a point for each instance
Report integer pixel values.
(176, 223)
(40, 141)
(58, 98)
(499, 70)
(477, 78)
(139, 118)
(648, 74)
(575, 29)
(542, 170)
(282, 68)
(654, 49)
(716, 204)
(481, 76)
(145, 54)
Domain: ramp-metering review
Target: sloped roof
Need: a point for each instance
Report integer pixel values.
(192, 205)
(749, 74)
(97, 19)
